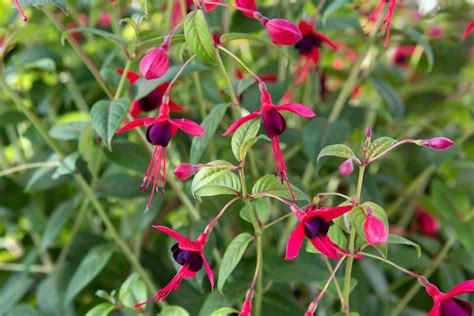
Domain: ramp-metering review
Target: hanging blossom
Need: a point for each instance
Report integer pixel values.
(468, 30)
(308, 48)
(446, 304)
(375, 231)
(314, 224)
(159, 132)
(426, 222)
(402, 54)
(152, 100)
(274, 124)
(187, 253)
(378, 14)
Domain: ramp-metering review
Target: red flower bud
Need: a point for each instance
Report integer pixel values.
(249, 5)
(427, 223)
(185, 170)
(246, 308)
(155, 63)
(282, 32)
(346, 168)
(439, 143)
(375, 231)
(309, 314)
(368, 132)
(105, 20)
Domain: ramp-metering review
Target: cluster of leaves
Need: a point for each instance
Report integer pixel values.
(57, 257)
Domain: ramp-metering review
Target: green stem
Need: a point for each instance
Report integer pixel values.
(350, 260)
(427, 273)
(200, 97)
(80, 52)
(88, 191)
(393, 264)
(233, 96)
(126, 69)
(353, 77)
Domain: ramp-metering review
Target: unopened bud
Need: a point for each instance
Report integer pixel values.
(346, 168)
(246, 308)
(368, 132)
(185, 170)
(375, 231)
(283, 32)
(438, 143)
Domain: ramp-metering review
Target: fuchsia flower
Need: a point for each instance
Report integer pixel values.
(374, 230)
(187, 253)
(159, 132)
(402, 54)
(309, 47)
(105, 20)
(247, 4)
(468, 30)
(246, 308)
(152, 100)
(185, 170)
(379, 12)
(282, 31)
(347, 167)
(156, 62)
(274, 125)
(177, 12)
(314, 224)
(426, 222)
(439, 143)
(446, 304)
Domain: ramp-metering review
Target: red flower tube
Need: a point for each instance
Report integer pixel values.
(187, 253)
(159, 132)
(314, 224)
(249, 5)
(446, 304)
(274, 125)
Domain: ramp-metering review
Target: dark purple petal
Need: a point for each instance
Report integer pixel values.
(455, 307)
(273, 122)
(159, 134)
(316, 226)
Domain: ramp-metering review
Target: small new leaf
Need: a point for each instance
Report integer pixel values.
(337, 150)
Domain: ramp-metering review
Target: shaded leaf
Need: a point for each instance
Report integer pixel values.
(106, 116)
(272, 185)
(337, 150)
(199, 38)
(244, 138)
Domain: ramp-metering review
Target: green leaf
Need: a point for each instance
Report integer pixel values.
(106, 116)
(232, 256)
(244, 138)
(69, 131)
(390, 95)
(67, 167)
(133, 291)
(199, 38)
(57, 221)
(88, 269)
(261, 206)
(272, 185)
(117, 40)
(213, 301)
(129, 155)
(224, 311)
(173, 310)
(103, 309)
(425, 44)
(210, 124)
(215, 181)
(395, 239)
(11, 117)
(337, 150)
(41, 3)
(379, 145)
(13, 289)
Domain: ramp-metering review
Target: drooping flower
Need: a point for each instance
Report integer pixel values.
(438, 143)
(378, 13)
(187, 253)
(281, 31)
(402, 54)
(308, 48)
(347, 167)
(446, 304)
(468, 30)
(426, 222)
(249, 5)
(314, 224)
(274, 125)
(152, 100)
(159, 132)
(374, 230)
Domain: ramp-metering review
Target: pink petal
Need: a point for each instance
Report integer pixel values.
(183, 242)
(247, 4)
(297, 108)
(131, 76)
(295, 241)
(189, 127)
(190, 274)
(135, 123)
(329, 213)
(325, 246)
(435, 310)
(461, 288)
(210, 7)
(154, 64)
(210, 275)
(240, 121)
(325, 39)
